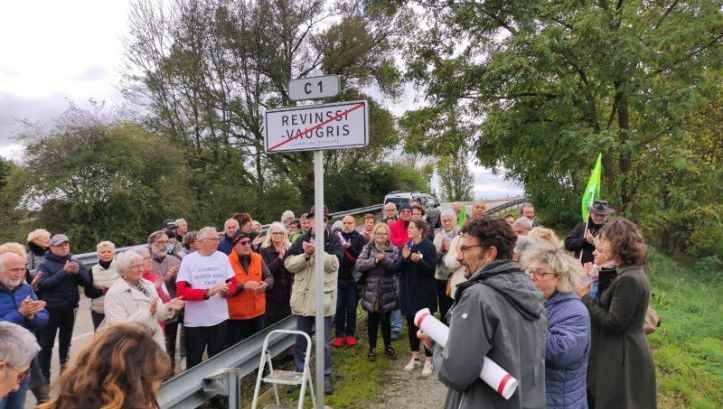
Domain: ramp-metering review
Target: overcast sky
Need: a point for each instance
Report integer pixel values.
(61, 51)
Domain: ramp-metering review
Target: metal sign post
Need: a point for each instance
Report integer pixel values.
(316, 128)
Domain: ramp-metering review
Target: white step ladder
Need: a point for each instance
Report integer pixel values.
(281, 377)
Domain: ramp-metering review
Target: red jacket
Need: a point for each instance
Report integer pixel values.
(398, 232)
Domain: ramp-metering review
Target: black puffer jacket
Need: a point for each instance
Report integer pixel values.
(58, 288)
(378, 280)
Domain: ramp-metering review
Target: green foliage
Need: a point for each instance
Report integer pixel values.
(688, 350)
(104, 182)
(12, 188)
(549, 84)
(455, 178)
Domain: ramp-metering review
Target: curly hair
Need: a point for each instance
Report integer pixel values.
(493, 232)
(121, 369)
(626, 241)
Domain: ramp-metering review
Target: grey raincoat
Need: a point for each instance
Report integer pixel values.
(498, 313)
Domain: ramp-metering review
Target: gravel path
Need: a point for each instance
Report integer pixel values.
(405, 390)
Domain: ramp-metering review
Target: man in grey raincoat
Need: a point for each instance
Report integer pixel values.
(498, 313)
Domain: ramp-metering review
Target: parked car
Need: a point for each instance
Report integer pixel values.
(430, 203)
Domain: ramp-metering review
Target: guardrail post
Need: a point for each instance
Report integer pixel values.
(225, 383)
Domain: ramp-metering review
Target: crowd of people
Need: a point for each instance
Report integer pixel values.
(566, 319)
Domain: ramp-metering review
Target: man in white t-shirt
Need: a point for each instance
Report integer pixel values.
(204, 281)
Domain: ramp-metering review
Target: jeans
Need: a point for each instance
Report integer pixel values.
(396, 318)
(238, 330)
(16, 400)
(306, 324)
(345, 319)
(62, 320)
(376, 318)
(213, 339)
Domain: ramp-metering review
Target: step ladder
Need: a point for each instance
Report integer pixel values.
(277, 377)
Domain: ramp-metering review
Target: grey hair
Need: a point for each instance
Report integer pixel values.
(287, 214)
(567, 268)
(447, 212)
(523, 222)
(525, 243)
(142, 251)
(124, 261)
(179, 221)
(209, 231)
(37, 233)
(18, 346)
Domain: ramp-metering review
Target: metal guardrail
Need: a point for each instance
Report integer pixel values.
(221, 374)
(513, 203)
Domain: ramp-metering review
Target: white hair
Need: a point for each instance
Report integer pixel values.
(105, 244)
(18, 346)
(225, 225)
(179, 221)
(36, 234)
(210, 231)
(287, 215)
(124, 261)
(142, 251)
(447, 212)
(567, 269)
(523, 222)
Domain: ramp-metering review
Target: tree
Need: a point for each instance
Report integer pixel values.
(104, 181)
(12, 186)
(454, 176)
(207, 69)
(550, 84)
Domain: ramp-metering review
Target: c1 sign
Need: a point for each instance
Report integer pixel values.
(325, 86)
(314, 127)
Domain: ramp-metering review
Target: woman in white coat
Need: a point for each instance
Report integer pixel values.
(135, 299)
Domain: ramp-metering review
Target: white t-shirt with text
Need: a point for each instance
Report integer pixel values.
(204, 272)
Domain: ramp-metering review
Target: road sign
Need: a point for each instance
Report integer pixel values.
(308, 128)
(315, 87)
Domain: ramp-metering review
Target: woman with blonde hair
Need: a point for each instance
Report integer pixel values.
(273, 250)
(38, 243)
(548, 235)
(122, 368)
(567, 346)
(102, 276)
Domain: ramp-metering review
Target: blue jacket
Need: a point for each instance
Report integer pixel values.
(566, 352)
(225, 245)
(58, 288)
(10, 301)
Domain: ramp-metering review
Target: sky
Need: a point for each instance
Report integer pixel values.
(62, 51)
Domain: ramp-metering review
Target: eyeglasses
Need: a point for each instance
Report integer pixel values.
(540, 274)
(209, 239)
(463, 248)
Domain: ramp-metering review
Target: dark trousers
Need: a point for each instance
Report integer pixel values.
(97, 319)
(276, 311)
(413, 340)
(212, 339)
(238, 330)
(60, 320)
(345, 319)
(170, 331)
(376, 318)
(306, 324)
(445, 301)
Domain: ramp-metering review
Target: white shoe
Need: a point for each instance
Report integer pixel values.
(427, 370)
(413, 363)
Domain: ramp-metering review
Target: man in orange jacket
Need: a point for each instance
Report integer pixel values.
(247, 308)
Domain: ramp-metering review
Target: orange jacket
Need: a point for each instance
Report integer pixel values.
(246, 304)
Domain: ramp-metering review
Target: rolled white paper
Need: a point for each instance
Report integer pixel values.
(492, 374)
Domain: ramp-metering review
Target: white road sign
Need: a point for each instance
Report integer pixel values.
(315, 87)
(308, 128)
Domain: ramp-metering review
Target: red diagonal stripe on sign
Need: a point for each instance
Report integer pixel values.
(307, 130)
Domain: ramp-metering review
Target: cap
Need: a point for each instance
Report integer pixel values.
(601, 207)
(59, 239)
(240, 235)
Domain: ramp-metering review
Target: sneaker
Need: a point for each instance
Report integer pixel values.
(390, 352)
(351, 341)
(427, 370)
(338, 342)
(372, 356)
(413, 363)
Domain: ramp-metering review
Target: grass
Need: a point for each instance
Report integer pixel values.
(688, 347)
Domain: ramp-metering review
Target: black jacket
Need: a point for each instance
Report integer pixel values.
(348, 262)
(280, 293)
(332, 245)
(417, 286)
(576, 242)
(58, 288)
(378, 279)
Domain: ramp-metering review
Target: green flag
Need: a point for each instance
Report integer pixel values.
(592, 191)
